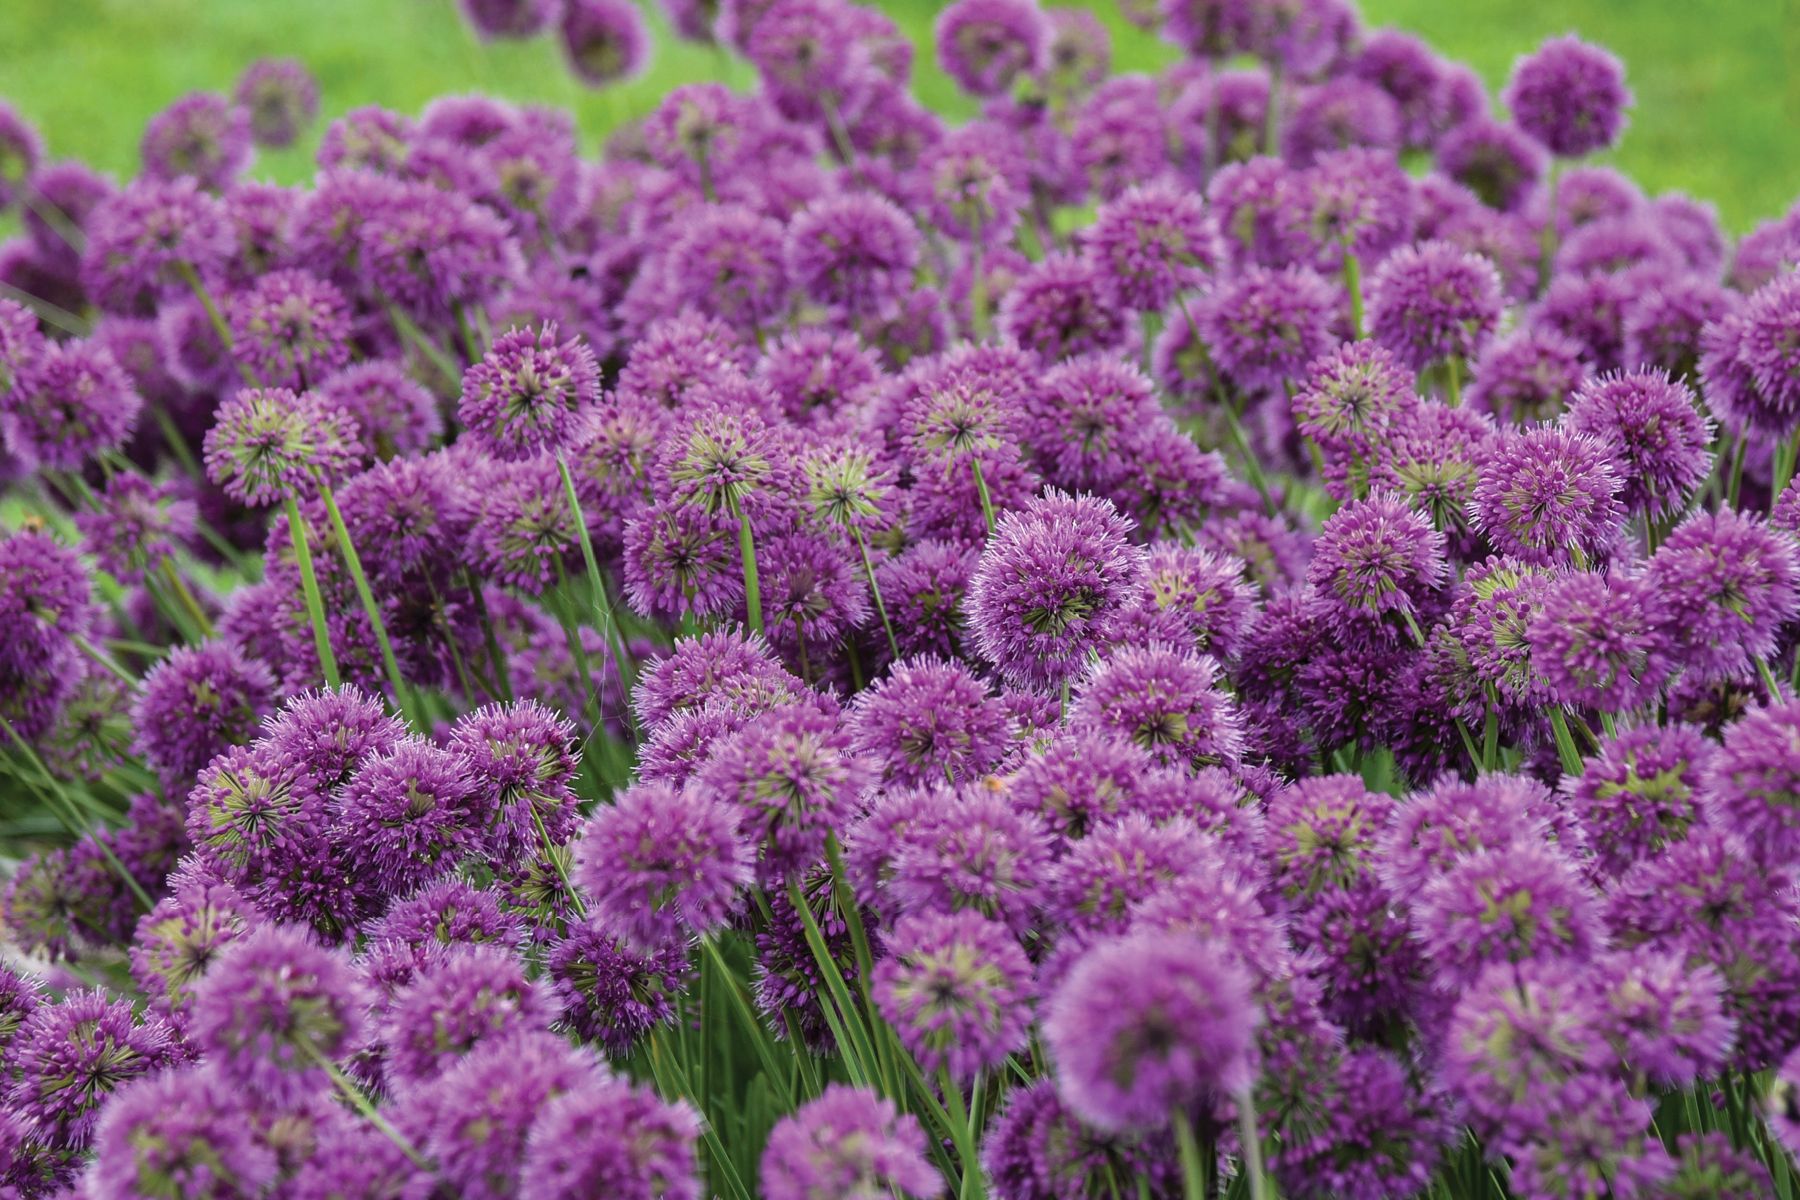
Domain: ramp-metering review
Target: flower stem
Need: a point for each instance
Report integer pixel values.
(309, 588)
(752, 588)
(875, 591)
(1453, 367)
(1353, 285)
(353, 560)
(182, 593)
(609, 628)
(981, 489)
(1251, 1139)
(1196, 1176)
(1565, 743)
(363, 1105)
(198, 287)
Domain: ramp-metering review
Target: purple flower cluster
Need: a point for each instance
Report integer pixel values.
(780, 657)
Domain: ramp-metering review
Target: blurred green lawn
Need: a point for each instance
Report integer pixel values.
(1718, 81)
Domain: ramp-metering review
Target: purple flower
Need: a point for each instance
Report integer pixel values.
(269, 442)
(274, 1008)
(464, 998)
(1064, 306)
(528, 393)
(1569, 95)
(1509, 904)
(1782, 1105)
(1639, 793)
(1658, 433)
(1378, 558)
(955, 850)
(1336, 115)
(1665, 323)
(177, 940)
(1527, 375)
(1048, 585)
(1150, 1025)
(1153, 243)
(21, 152)
(854, 253)
(406, 816)
(496, 19)
(610, 994)
(1709, 1166)
(1726, 582)
(1432, 302)
(984, 45)
(431, 252)
(74, 403)
(22, 345)
(290, 329)
(395, 415)
(604, 41)
(202, 137)
(1598, 641)
(1125, 860)
(328, 734)
(1202, 593)
(729, 263)
(1548, 495)
(1357, 201)
(974, 182)
(281, 98)
(848, 1142)
(923, 588)
(179, 1133)
(928, 720)
(956, 989)
(1752, 785)
(660, 864)
(1166, 701)
(196, 702)
(1263, 327)
(1036, 1149)
(1664, 1016)
(731, 665)
(1498, 162)
(1380, 1134)
(612, 1138)
(67, 1058)
(1589, 310)
(139, 527)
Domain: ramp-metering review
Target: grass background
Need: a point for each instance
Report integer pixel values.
(1718, 81)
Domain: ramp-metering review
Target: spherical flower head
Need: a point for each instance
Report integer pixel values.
(267, 443)
(985, 45)
(956, 850)
(1727, 585)
(329, 733)
(1665, 1016)
(138, 527)
(1339, 114)
(1050, 581)
(1767, 347)
(273, 1007)
(21, 151)
(179, 1133)
(1599, 641)
(1351, 404)
(1569, 95)
(46, 601)
(281, 98)
(290, 329)
(1379, 1133)
(1321, 833)
(1354, 201)
(476, 1117)
(196, 702)
(604, 41)
(22, 344)
(730, 664)
(956, 988)
(794, 778)
(464, 998)
(1434, 301)
(1064, 306)
(429, 251)
(1153, 243)
(1148, 1025)
(1752, 784)
(928, 720)
(730, 264)
(660, 864)
(1165, 700)
(1548, 495)
(849, 1142)
(1506, 905)
(176, 941)
(1204, 593)
(1664, 325)
(74, 404)
(1639, 793)
(1378, 558)
(1497, 161)
(1096, 883)
(974, 182)
(67, 1058)
(612, 1138)
(495, 20)
(529, 393)
(395, 415)
(854, 253)
(1709, 1168)
(1657, 431)
(1263, 327)
(408, 815)
(813, 594)
(202, 136)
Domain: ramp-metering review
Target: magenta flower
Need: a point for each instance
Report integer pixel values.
(1569, 95)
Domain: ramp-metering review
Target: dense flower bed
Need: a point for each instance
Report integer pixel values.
(1226, 633)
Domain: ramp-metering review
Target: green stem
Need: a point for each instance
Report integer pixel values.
(1785, 456)
(1251, 1137)
(556, 863)
(746, 1014)
(107, 663)
(981, 489)
(1737, 469)
(223, 330)
(875, 591)
(609, 628)
(360, 578)
(1272, 116)
(440, 358)
(1196, 1175)
(363, 1105)
(1453, 367)
(188, 601)
(752, 588)
(962, 1133)
(1353, 284)
(309, 587)
(1565, 743)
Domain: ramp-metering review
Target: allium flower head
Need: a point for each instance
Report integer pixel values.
(195, 703)
(611, 994)
(604, 40)
(987, 44)
(22, 343)
(1380, 1133)
(461, 999)
(528, 393)
(1148, 1025)
(1639, 793)
(1549, 495)
(1752, 785)
(74, 403)
(177, 940)
(281, 97)
(1264, 326)
(179, 1133)
(1665, 1016)
(1727, 583)
(660, 864)
(1167, 701)
(729, 664)
(291, 329)
(854, 253)
(956, 850)
(974, 182)
(928, 720)
(1499, 162)
(496, 19)
(1516, 1032)
(730, 264)
(67, 1058)
(1049, 583)
(1064, 306)
(267, 443)
(1665, 324)
(395, 415)
(1658, 433)
(1598, 641)
(1153, 243)
(1129, 858)
(1321, 833)
(202, 136)
(1506, 905)
(956, 988)
(1434, 301)
(1378, 558)
(849, 1142)
(329, 733)
(1339, 114)
(612, 1138)
(407, 816)
(1569, 95)
(139, 526)
(271, 1007)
